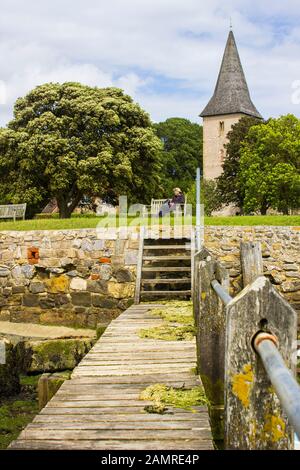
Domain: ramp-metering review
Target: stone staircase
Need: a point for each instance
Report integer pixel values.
(165, 269)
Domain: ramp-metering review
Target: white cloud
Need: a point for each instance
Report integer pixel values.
(165, 53)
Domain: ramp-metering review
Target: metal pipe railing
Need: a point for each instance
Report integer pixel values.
(224, 296)
(285, 385)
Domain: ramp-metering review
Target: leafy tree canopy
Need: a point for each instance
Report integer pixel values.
(270, 166)
(182, 153)
(228, 183)
(69, 140)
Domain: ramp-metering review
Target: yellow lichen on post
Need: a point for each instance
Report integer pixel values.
(242, 383)
(274, 428)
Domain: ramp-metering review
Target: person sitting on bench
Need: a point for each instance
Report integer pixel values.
(170, 204)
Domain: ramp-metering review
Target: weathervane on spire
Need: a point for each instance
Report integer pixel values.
(230, 26)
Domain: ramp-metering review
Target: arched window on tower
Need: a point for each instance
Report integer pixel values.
(221, 127)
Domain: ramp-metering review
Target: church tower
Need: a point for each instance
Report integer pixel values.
(229, 103)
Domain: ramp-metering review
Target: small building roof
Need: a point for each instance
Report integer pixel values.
(231, 95)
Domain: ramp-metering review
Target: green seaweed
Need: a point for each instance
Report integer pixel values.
(178, 322)
(164, 396)
(169, 333)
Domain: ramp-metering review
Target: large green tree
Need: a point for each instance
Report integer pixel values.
(182, 153)
(69, 140)
(270, 166)
(229, 187)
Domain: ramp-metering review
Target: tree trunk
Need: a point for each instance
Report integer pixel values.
(285, 210)
(64, 212)
(263, 208)
(66, 207)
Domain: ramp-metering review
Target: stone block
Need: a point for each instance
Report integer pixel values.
(290, 286)
(294, 274)
(7, 291)
(55, 270)
(36, 287)
(87, 245)
(73, 273)
(30, 300)
(63, 299)
(117, 260)
(47, 302)
(99, 286)
(98, 245)
(4, 271)
(105, 272)
(77, 283)
(120, 290)
(290, 267)
(5, 315)
(58, 317)
(57, 284)
(103, 301)
(81, 298)
(123, 275)
(131, 257)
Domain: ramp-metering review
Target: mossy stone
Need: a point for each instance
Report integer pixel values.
(54, 355)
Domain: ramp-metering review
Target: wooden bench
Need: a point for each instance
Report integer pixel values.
(157, 203)
(13, 211)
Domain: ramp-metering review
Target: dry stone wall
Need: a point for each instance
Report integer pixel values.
(65, 277)
(72, 277)
(280, 250)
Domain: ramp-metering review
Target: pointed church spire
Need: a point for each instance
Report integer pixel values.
(231, 95)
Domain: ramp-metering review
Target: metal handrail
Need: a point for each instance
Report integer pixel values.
(284, 383)
(224, 296)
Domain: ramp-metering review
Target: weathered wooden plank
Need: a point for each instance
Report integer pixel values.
(251, 261)
(167, 269)
(102, 411)
(178, 416)
(204, 444)
(177, 419)
(103, 434)
(183, 280)
(124, 425)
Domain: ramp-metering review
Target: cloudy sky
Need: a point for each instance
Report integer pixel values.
(165, 53)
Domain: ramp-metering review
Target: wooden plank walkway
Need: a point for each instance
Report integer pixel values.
(99, 408)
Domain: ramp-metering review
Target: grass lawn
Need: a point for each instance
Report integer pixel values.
(91, 222)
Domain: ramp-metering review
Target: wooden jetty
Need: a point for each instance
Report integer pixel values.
(100, 408)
